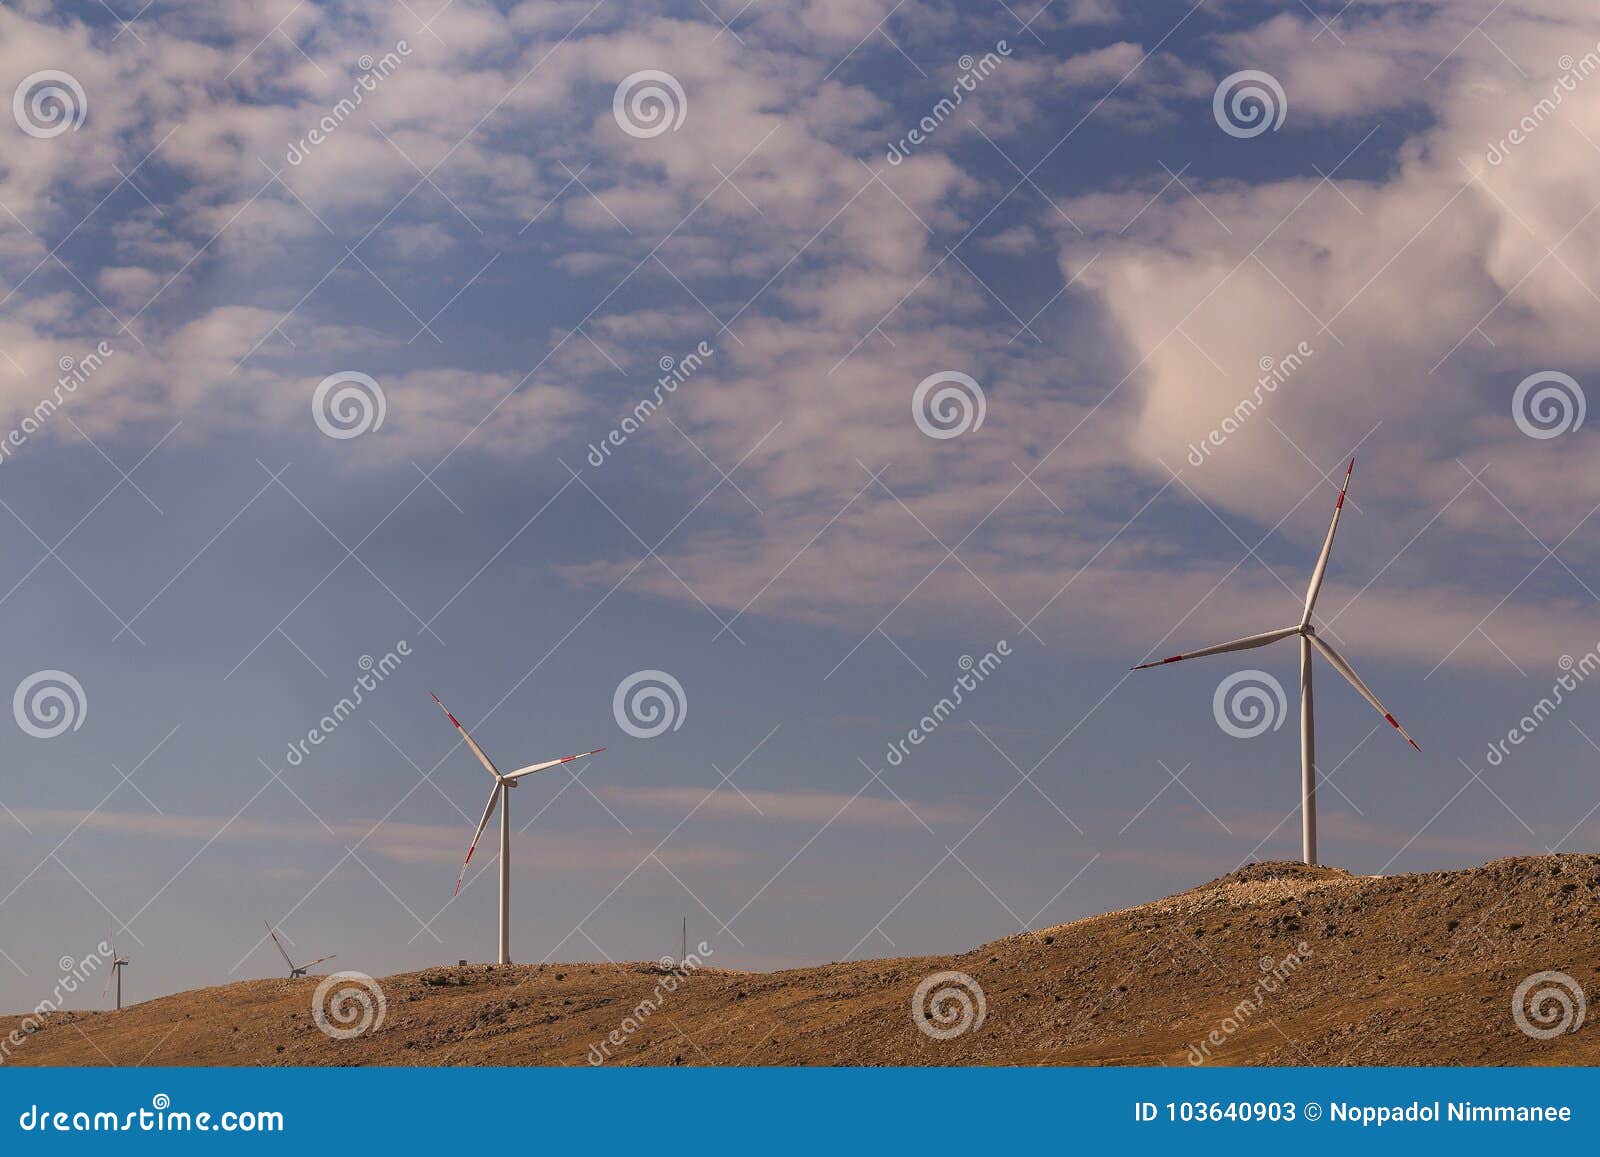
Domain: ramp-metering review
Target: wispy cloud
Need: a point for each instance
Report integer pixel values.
(811, 807)
(578, 852)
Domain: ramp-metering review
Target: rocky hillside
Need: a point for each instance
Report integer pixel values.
(1274, 964)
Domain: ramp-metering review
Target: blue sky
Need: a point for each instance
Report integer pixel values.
(508, 258)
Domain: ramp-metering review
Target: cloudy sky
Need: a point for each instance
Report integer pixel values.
(540, 345)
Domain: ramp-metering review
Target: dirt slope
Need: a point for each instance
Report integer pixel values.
(1395, 970)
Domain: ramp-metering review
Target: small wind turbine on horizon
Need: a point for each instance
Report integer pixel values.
(503, 783)
(118, 963)
(1309, 641)
(295, 970)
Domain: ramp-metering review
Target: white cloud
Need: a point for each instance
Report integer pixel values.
(845, 295)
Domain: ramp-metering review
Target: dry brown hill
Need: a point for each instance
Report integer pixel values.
(1417, 969)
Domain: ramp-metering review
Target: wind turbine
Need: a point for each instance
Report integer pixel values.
(117, 965)
(295, 970)
(1309, 641)
(503, 783)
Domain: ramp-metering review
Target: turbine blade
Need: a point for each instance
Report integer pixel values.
(494, 798)
(321, 960)
(1243, 644)
(1349, 673)
(1327, 548)
(281, 950)
(472, 743)
(533, 767)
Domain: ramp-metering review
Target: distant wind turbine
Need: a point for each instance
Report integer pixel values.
(1309, 639)
(118, 963)
(503, 783)
(295, 970)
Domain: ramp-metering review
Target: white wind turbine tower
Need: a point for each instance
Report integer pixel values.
(1309, 640)
(295, 970)
(117, 965)
(503, 783)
